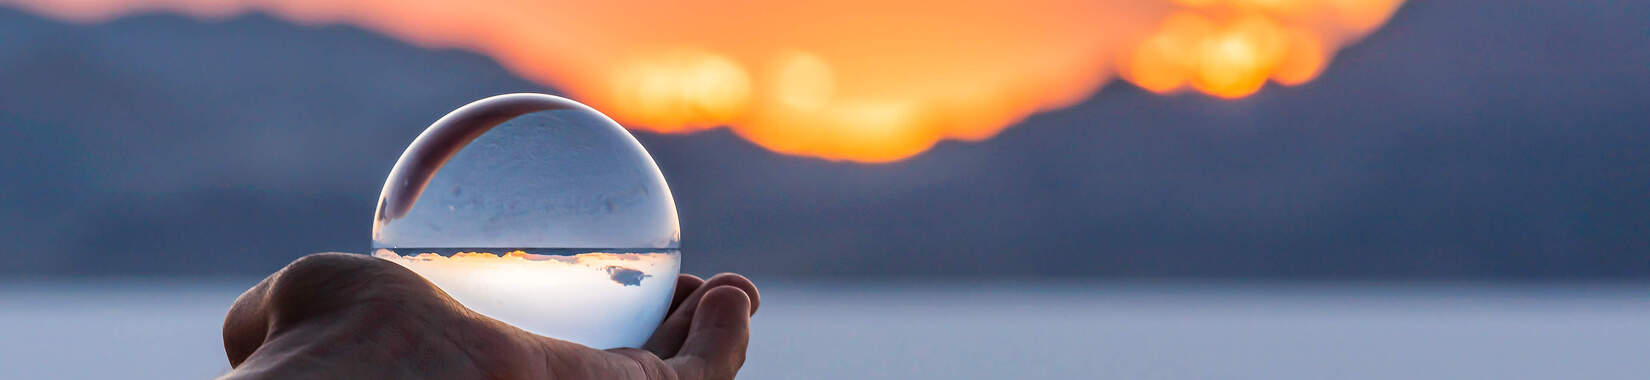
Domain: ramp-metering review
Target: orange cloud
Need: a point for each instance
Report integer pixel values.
(859, 80)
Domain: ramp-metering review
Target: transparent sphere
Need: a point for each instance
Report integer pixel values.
(537, 211)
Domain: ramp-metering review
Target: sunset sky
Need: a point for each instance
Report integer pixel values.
(1447, 139)
(1167, 189)
(870, 81)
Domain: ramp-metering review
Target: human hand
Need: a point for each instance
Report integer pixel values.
(340, 315)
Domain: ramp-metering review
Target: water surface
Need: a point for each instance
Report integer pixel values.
(975, 330)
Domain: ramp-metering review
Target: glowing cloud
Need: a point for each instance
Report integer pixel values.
(861, 80)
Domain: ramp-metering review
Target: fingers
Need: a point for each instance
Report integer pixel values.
(685, 285)
(715, 347)
(667, 339)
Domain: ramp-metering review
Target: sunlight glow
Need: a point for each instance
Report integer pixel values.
(859, 80)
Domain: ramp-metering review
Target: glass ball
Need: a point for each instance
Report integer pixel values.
(540, 212)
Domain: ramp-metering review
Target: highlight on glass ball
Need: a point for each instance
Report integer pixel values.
(537, 211)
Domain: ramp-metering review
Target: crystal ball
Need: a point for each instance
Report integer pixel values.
(537, 211)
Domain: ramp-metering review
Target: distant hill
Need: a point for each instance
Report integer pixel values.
(1487, 139)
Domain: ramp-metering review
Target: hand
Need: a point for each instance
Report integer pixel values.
(339, 315)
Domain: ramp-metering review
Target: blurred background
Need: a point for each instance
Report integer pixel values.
(1121, 189)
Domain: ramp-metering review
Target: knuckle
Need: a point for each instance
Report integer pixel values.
(731, 279)
(317, 283)
(737, 281)
(325, 264)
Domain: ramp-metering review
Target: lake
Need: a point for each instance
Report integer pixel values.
(993, 329)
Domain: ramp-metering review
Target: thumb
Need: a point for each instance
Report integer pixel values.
(716, 342)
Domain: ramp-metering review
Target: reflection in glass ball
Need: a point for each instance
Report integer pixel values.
(537, 211)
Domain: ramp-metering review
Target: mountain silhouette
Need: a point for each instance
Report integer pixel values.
(1472, 139)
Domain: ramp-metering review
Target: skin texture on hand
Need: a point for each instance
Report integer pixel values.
(351, 316)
